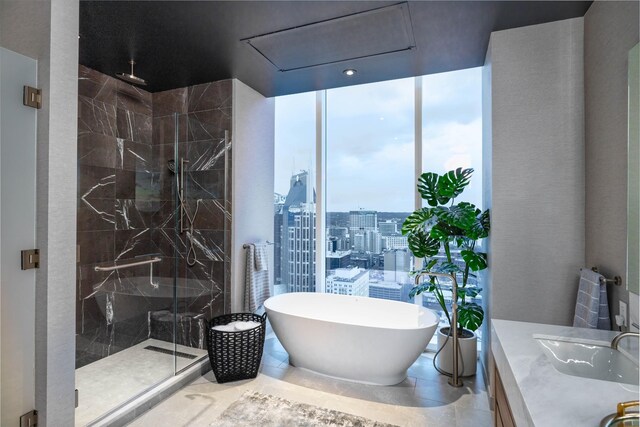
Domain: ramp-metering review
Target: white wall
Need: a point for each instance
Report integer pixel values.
(537, 188)
(47, 30)
(17, 232)
(252, 180)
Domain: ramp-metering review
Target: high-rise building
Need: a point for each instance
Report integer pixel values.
(348, 281)
(338, 259)
(395, 241)
(390, 290)
(295, 237)
(388, 227)
(367, 241)
(386, 290)
(397, 265)
(363, 220)
(373, 241)
(339, 235)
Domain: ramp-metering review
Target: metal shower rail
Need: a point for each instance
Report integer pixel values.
(132, 264)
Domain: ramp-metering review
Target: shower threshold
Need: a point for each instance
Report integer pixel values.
(114, 380)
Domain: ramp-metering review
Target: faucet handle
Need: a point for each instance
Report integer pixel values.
(622, 406)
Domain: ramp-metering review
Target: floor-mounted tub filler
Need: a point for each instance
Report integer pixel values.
(368, 340)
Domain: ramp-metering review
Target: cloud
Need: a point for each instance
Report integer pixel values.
(370, 138)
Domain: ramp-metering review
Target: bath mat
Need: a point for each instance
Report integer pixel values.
(265, 410)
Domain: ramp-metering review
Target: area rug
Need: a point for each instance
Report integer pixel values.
(265, 410)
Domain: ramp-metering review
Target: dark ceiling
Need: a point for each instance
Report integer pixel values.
(182, 43)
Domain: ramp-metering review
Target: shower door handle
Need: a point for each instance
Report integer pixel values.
(181, 200)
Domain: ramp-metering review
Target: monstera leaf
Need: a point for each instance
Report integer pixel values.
(440, 231)
(416, 220)
(475, 260)
(480, 227)
(470, 315)
(428, 188)
(422, 245)
(462, 215)
(452, 183)
(469, 292)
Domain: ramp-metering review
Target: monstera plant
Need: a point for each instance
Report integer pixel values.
(442, 227)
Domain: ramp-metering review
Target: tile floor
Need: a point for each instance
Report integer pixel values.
(111, 381)
(423, 399)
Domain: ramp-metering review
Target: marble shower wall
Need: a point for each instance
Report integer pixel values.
(127, 212)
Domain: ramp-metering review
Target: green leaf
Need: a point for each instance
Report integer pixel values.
(448, 267)
(480, 227)
(476, 260)
(440, 232)
(422, 245)
(424, 287)
(428, 187)
(452, 183)
(470, 315)
(469, 292)
(462, 215)
(416, 220)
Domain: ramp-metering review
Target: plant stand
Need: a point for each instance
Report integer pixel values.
(468, 353)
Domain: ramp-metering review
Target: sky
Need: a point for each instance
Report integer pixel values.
(370, 139)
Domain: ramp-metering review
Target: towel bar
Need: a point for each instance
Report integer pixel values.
(617, 280)
(246, 245)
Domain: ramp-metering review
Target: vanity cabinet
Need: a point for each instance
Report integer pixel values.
(502, 413)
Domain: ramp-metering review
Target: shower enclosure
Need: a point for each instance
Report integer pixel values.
(153, 234)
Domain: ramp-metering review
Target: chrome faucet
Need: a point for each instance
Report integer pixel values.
(617, 338)
(455, 380)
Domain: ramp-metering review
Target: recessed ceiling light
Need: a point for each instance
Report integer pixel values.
(349, 72)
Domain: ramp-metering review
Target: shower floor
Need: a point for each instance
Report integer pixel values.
(110, 382)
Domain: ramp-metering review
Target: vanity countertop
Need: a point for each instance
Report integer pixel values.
(541, 396)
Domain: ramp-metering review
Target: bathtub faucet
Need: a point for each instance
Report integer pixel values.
(455, 380)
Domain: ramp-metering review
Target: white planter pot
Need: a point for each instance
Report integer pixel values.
(468, 354)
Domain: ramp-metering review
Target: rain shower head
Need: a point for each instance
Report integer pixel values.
(131, 78)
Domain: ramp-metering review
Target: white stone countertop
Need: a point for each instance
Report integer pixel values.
(541, 396)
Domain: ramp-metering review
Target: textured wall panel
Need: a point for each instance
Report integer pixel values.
(537, 157)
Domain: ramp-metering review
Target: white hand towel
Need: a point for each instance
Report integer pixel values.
(243, 326)
(225, 328)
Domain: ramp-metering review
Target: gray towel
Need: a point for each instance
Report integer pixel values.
(261, 258)
(256, 286)
(592, 308)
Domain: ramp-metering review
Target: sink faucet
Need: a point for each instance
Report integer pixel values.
(616, 340)
(455, 380)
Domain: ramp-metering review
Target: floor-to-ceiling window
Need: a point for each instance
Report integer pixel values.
(369, 188)
(294, 198)
(452, 137)
(368, 174)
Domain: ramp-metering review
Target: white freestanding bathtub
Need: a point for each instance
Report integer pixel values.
(368, 340)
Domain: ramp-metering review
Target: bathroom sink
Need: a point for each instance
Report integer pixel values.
(587, 360)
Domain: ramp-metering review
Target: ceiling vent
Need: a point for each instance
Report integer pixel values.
(360, 35)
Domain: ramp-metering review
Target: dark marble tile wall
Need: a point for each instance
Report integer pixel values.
(127, 212)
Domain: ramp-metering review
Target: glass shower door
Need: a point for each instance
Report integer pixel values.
(201, 154)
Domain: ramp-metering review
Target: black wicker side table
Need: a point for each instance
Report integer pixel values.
(236, 355)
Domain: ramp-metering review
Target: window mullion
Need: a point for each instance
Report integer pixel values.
(320, 176)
